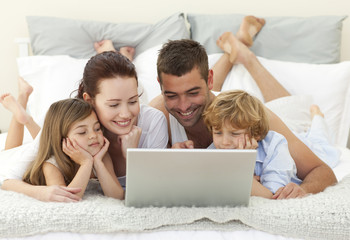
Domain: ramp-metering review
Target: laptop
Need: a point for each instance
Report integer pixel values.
(188, 177)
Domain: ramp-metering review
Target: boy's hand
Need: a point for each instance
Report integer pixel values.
(247, 143)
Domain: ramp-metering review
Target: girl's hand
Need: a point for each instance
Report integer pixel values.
(247, 142)
(130, 140)
(75, 152)
(56, 193)
(99, 156)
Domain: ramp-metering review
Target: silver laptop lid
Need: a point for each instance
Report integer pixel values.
(189, 177)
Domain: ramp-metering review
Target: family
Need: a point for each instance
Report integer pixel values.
(87, 136)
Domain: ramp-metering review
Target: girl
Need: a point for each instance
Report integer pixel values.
(71, 146)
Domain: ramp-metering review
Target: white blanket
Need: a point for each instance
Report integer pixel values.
(321, 216)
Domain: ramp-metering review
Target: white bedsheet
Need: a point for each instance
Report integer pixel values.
(342, 169)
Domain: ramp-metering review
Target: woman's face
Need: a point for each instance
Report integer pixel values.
(117, 104)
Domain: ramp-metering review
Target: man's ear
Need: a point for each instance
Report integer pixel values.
(160, 84)
(210, 79)
(87, 98)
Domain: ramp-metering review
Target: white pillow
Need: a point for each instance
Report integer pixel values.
(55, 77)
(52, 77)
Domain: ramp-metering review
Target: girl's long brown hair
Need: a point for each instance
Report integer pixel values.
(58, 120)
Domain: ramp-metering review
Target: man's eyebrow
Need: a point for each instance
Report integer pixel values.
(189, 90)
(193, 89)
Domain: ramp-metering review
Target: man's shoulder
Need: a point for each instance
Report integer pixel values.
(158, 103)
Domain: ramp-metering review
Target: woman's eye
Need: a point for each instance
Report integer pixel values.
(133, 102)
(81, 133)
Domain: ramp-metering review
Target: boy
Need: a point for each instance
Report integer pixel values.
(238, 120)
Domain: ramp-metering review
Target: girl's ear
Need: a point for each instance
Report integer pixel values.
(87, 98)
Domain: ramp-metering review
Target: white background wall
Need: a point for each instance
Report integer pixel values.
(13, 24)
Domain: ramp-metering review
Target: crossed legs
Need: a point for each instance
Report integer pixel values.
(20, 117)
(236, 51)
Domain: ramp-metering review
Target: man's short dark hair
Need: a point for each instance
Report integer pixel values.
(179, 57)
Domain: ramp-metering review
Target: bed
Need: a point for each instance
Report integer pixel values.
(309, 68)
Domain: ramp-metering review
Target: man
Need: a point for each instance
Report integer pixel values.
(186, 81)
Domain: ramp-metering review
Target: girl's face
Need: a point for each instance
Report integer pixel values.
(117, 104)
(88, 134)
(228, 137)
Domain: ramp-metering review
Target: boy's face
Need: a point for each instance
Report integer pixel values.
(229, 138)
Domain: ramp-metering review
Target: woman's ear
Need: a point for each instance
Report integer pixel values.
(87, 98)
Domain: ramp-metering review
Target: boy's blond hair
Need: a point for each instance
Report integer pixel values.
(241, 110)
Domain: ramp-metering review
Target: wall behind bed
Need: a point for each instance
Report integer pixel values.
(13, 24)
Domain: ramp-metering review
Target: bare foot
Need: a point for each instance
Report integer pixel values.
(24, 88)
(10, 103)
(249, 28)
(128, 52)
(104, 46)
(315, 110)
(237, 51)
(228, 43)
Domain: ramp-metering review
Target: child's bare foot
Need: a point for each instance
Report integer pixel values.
(10, 103)
(24, 89)
(128, 52)
(249, 28)
(315, 110)
(237, 51)
(228, 43)
(104, 46)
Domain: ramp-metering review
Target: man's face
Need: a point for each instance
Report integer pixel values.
(185, 97)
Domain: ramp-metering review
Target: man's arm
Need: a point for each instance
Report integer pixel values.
(316, 175)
